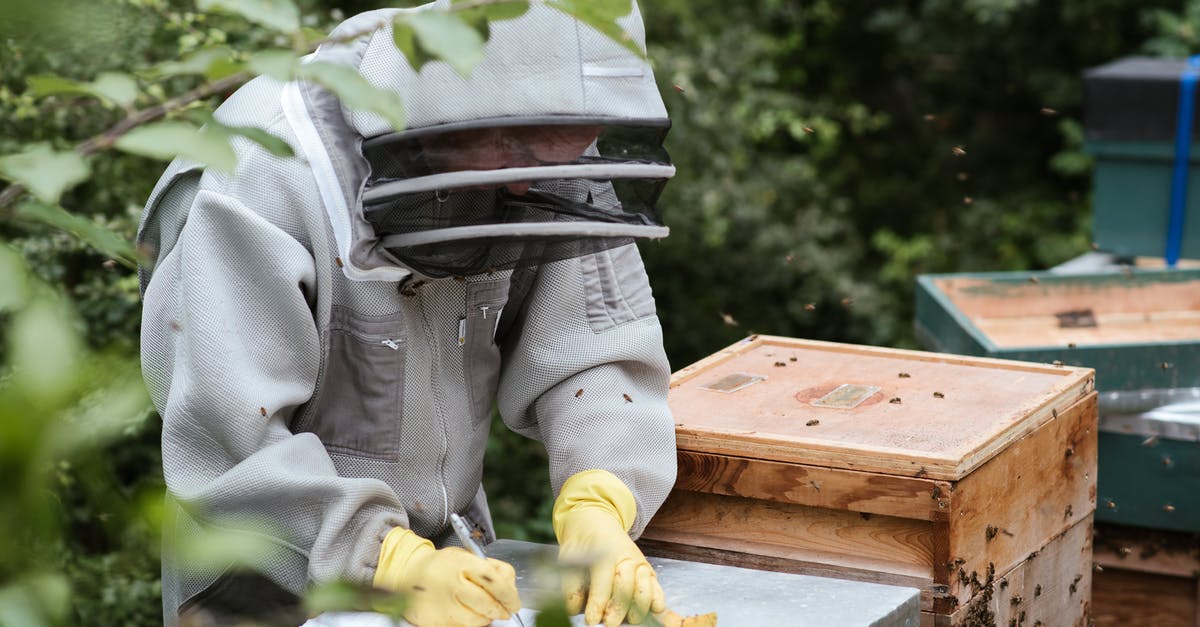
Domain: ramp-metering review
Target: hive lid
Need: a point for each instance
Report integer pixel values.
(865, 408)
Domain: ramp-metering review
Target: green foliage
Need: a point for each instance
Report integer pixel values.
(828, 151)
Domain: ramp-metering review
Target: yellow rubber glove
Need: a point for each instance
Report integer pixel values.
(592, 517)
(447, 587)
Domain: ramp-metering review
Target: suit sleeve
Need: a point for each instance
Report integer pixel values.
(585, 373)
(230, 351)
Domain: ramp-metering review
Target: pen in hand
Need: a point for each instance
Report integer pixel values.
(464, 535)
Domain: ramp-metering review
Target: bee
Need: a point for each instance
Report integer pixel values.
(809, 130)
(1057, 362)
(1168, 508)
(1048, 111)
(262, 411)
(962, 176)
(338, 262)
(929, 117)
(939, 395)
(1166, 365)
(460, 279)
(959, 151)
(728, 320)
(1167, 461)
(1150, 441)
(175, 326)
(895, 400)
(628, 398)
(1037, 591)
(678, 88)
(780, 364)
(810, 307)
(1070, 344)
(1033, 280)
(1095, 246)
(417, 507)
(578, 392)
(991, 532)
(793, 358)
(904, 375)
(788, 259)
(968, 200)
(812, 423)
(847, 301)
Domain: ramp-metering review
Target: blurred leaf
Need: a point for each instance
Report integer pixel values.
(272, 144)
(500, 10)
(345, 596)
(602, 15)
(405, 39)
(44, 172)
(211, 63)
(48, 85)
(46, 349)
(114, 409)
(447, 37)
(15, 279)
(355, 92)
(481, 17)
(280, 15)
(278, 64)
(167, 140)
(104, 241)
(35, 600)
(216, 548)
(116, 87)
(113, 87)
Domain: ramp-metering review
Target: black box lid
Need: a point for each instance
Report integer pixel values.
(1134, 99)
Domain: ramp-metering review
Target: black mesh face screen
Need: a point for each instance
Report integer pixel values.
(418, 153)
(627, 200)
(622, 201)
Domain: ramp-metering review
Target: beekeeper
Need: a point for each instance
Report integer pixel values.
(325, 335)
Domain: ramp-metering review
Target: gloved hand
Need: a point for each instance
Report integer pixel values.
(592, 517)
(447, 587)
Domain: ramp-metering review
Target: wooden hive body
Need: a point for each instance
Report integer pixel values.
(933, 472)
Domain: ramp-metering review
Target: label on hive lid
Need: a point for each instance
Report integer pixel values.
(847, 396)
(731, 383)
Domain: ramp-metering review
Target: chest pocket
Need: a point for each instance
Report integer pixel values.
(361, 401)
(481, 355)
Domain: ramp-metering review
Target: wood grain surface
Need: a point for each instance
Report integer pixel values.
(948, 415)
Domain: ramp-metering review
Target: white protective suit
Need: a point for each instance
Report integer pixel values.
(316, 393)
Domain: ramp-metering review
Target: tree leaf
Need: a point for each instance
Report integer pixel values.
(405, 39)
(167, 140)
(280, 15)
(212, 63)
(44, 172)
(355, 92)
(14, 276)
(103, 240)
(447, 37)
(46, 349)
(481, 17)
(115, 87)
(501, 10)
(116, 404)
(111, 87)
(602, 15)
(274, 145)
(278, 64)
(49, 85)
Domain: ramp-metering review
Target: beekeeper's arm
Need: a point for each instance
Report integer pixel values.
(231, 351)
(586, 374)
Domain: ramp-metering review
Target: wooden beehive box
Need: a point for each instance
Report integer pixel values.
(1140, 330)
(972, 479)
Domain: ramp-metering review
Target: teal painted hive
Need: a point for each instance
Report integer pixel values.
(1130, 122)
(1140, 330)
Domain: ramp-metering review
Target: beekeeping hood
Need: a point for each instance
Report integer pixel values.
(552, 148)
